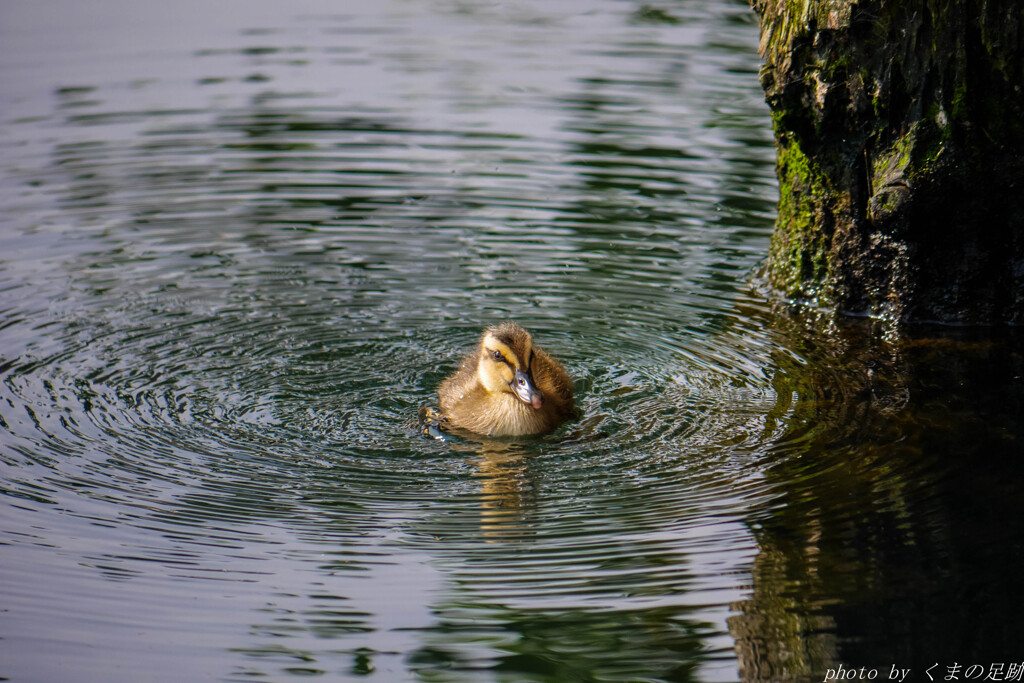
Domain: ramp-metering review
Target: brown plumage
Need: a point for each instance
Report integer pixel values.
(507, 387)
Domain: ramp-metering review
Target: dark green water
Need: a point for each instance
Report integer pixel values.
(242, 243)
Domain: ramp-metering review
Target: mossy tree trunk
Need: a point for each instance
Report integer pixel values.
(899, 126)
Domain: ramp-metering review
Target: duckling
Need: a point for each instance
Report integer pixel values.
(507, 387)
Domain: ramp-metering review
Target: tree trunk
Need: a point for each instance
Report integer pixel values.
(899, 127)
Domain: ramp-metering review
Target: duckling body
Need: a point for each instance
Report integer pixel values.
(507, 387)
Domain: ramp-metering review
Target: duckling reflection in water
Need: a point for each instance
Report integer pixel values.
(507, 387)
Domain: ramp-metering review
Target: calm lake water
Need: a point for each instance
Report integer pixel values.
(242, 242)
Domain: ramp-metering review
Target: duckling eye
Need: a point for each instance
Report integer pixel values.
(498, 357)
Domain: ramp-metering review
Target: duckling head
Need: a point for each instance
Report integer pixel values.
(504, 365)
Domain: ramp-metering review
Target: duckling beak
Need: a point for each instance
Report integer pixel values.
(525, 390)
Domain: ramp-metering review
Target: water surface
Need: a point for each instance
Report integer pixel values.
(240, 246)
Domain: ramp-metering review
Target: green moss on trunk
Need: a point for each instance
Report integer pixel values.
(900, 131)
(799, 251)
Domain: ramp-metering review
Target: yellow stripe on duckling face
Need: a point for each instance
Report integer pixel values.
(499, 363)
(515, 344)
(501, 352)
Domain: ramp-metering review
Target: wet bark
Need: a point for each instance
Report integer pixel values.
(900, 135)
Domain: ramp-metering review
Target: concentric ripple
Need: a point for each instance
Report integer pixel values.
(234, 272)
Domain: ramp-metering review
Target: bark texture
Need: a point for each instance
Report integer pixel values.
(899, 127)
